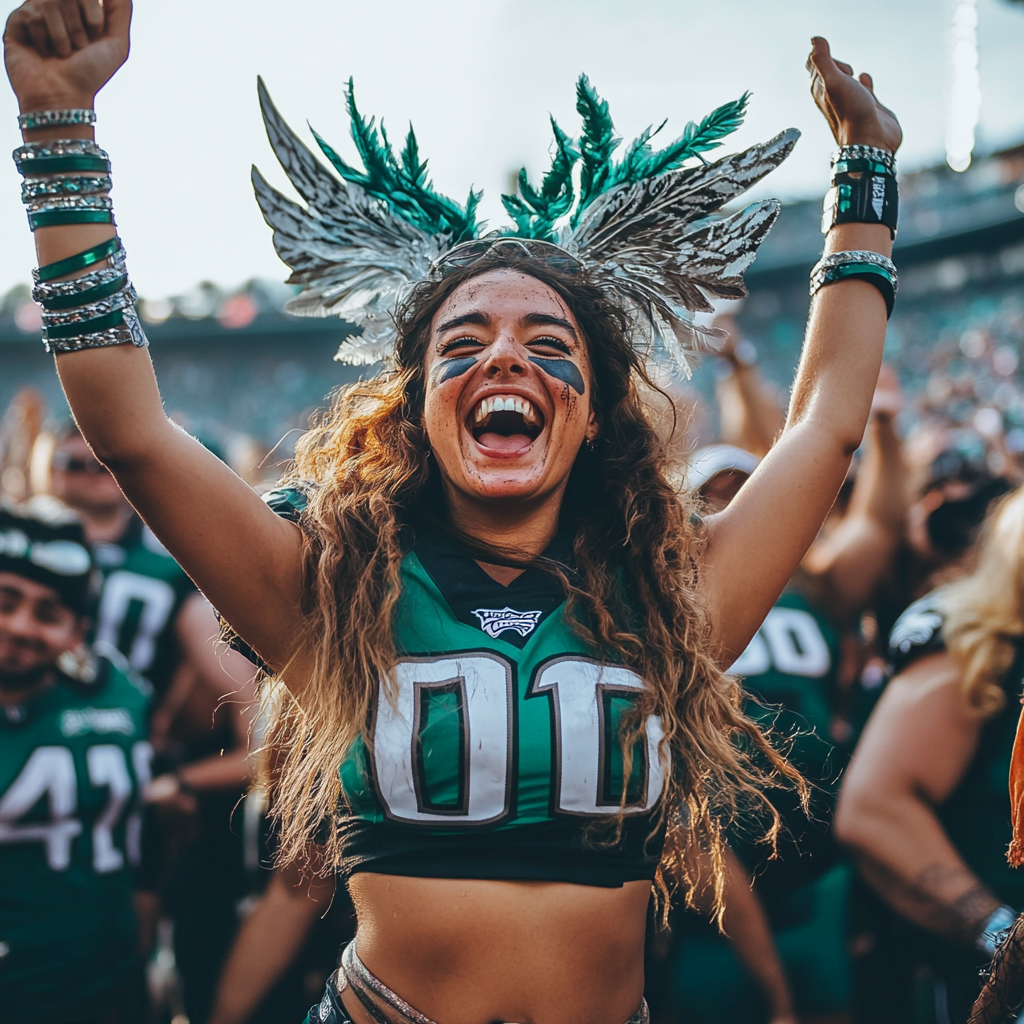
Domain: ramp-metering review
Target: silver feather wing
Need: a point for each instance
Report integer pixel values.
(352, 256)
(657, 247)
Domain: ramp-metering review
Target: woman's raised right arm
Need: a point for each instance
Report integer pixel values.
(244, 558)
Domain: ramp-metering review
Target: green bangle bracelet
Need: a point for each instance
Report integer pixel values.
(60, 164)
(58, 218)
(849, 269)
(100, 323)
(101, 291)
(872, 274)
(861, 164)
(79, 261)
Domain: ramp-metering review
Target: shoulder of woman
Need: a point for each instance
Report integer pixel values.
(918, 631)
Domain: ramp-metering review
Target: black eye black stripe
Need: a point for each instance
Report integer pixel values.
(563, 370)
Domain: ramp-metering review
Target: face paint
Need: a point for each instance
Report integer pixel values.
(563, 370)
(453, 368)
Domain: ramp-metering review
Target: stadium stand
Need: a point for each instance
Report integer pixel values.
(235, 362)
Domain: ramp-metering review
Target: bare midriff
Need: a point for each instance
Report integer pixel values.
(479, 952)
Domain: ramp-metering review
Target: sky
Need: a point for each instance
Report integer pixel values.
(478, 79)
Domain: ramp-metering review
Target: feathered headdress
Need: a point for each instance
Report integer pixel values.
(643, 227)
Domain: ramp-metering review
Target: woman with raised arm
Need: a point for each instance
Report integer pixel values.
(489, 607)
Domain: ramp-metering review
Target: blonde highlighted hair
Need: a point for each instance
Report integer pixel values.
(983, 611)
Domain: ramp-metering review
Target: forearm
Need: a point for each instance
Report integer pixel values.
(880, 491)
(750, 416)
(842, 351)
(858, 553)
(906, 856)
(790, 493)
(267, 943)
(747, 926)
(227, 770)
(118, 412)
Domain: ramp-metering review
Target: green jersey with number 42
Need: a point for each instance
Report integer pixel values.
(73, 761)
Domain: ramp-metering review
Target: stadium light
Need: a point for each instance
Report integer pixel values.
(964, 105)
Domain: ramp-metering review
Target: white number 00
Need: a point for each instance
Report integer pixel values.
(484, 683)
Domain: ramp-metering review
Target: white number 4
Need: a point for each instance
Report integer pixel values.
(50, 772)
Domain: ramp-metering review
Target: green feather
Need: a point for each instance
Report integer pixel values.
(597, 142)
(403, 185)
(535, 212)
(401, 182)
(640, 162)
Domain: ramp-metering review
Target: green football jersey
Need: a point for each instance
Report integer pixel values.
(792, 661)
(143, 591)
(73, 762)
(789, 670)
(499, 747)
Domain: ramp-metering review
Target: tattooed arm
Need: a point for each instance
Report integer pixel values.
(915, 750)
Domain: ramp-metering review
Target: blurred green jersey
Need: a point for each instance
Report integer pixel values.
(73, 761)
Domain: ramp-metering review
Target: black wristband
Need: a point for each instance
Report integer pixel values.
(861, 197)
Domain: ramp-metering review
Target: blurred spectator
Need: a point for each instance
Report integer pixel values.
(20, 427)
(750, 413)
(73, 762)
(784, 954)
(150, 611)
(285, 950)
(924, 805)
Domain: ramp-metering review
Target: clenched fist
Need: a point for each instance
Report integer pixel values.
(60, 53)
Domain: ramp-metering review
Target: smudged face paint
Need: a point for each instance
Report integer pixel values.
(507, 403)
(563, 370)
(457, 367)
(454, 367)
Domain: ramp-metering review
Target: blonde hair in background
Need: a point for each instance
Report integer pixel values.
(984, 611)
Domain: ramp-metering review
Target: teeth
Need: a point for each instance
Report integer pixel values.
(509, 403)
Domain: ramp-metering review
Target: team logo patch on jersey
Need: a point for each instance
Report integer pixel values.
(79, 721)
(496, 620)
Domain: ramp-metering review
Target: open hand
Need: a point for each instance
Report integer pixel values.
(848, 102)
(60, 53)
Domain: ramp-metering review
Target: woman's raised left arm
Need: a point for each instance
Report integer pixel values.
(756, 544)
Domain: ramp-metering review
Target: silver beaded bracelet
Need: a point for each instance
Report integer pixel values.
(129, 332)
(29, 151)
(61, 156)
(55, 118)
(857, 152)
(48, 290)
(67, 185)
(820, 270)
(119, 300)
(46, 203)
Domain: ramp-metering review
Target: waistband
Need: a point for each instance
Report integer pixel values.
(383, 1005)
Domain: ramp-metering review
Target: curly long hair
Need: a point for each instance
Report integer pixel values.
(635, 592)
(983, 610)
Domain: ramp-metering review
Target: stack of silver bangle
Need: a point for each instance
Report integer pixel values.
(66, 182)
(858, 152)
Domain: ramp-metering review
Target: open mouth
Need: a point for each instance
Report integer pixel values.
(505, 423)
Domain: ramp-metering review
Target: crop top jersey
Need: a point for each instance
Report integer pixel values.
(501, 745)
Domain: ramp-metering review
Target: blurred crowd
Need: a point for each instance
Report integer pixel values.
(888, 670)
